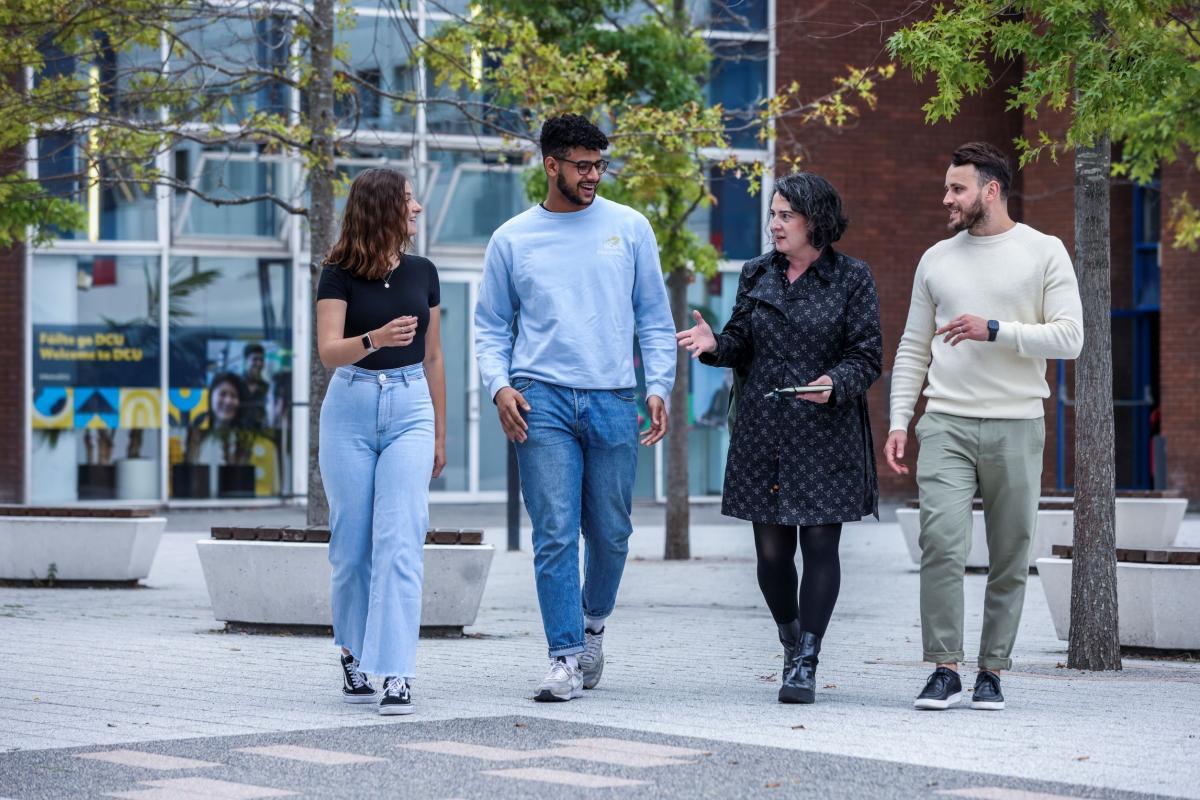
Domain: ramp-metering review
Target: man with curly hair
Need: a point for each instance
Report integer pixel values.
(580, 276)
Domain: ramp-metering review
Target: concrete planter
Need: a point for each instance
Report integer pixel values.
(1156, 603)
(287, 583)
(1053, 527)
(80, 548)
(1150, 523)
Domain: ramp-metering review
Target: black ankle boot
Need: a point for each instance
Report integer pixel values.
(789, 637)
(800, 681)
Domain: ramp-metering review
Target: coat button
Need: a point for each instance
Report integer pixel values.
(775, 488)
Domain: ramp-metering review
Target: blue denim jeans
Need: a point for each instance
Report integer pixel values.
(577, 469)
(376, 455)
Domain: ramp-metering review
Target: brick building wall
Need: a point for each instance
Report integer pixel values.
(1180, 343)
(889, 166)
(12, 376)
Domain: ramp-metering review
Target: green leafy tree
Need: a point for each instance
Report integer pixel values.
(1121, 71)
(645, 80)
(108, 89)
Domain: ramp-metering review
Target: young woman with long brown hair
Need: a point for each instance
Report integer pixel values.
(383, 431)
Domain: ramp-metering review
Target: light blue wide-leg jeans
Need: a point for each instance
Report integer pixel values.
(376, 456)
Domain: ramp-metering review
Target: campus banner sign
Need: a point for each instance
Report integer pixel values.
(96, 376)
(95, 355)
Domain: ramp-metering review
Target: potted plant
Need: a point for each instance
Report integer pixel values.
(137, 477)
(235, 478)
(98, 474)
(190, 478)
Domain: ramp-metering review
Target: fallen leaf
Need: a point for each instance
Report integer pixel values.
(1082, 758)
(520, 725)
(773, 785)
(799, 728)
(1060, 665)
(112, 724)
(831, 686)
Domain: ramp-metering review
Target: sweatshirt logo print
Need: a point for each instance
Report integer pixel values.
(609, 246)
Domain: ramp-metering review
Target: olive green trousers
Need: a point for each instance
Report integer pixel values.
(1002, 458)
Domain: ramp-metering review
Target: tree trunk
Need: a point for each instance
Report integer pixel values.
(322, 226)
(678, 545)
(1094, 643)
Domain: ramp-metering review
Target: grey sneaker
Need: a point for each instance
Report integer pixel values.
(560, 684)
(591, 660)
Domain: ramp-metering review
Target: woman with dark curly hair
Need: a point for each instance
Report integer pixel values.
(804, 339)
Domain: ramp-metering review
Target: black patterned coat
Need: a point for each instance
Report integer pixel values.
(791, 461)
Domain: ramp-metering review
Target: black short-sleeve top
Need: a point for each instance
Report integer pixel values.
(412, 290)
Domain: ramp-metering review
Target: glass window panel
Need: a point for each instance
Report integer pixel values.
(237, 48)
(733, 224)
(737, 221)
(738, 81)
(493, 445)
(231, 176)
(380, 52)
(731, 15)
(117, 206)
(456, 328)
(466, 112)
(96, 403)
(467, 199)
(230, 377)
(708, 392)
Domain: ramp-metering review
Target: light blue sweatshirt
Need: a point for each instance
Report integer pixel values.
(580, 285)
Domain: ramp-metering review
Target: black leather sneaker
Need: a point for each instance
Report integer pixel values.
(987, 696)
(942, 690)
(355, 686)
(397, 699)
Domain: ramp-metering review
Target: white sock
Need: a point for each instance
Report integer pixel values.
(594, 624)
(572, 661)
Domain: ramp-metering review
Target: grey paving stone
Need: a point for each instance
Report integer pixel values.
(691, 651)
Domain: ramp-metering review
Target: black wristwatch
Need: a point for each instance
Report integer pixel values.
(366, 342)
(993, 329)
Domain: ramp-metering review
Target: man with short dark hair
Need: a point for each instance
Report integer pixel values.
(580, 276)
(989, 306)
(254, 414)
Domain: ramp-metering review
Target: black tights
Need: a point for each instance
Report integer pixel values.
(776, 546)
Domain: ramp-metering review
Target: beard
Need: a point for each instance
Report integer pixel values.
(969, 217)
(570, 193)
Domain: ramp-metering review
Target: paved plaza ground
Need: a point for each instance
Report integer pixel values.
(140, 693)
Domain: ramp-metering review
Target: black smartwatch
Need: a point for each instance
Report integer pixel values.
(366, 342)
(993, 329)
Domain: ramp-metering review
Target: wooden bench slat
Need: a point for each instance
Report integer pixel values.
(321, 535)
(1129, 555)
(114, 512)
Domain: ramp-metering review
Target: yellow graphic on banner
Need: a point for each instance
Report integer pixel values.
(141, 408)
(265, 458)
(188, 406)
(53, 408)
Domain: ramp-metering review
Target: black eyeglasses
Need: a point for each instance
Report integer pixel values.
(585, 167)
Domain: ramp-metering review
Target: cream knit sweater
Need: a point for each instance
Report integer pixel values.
(1021, 278)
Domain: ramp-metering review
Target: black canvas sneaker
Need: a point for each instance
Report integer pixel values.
(396, 697)
(355, 686)
(987, 696)
(942, 690)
